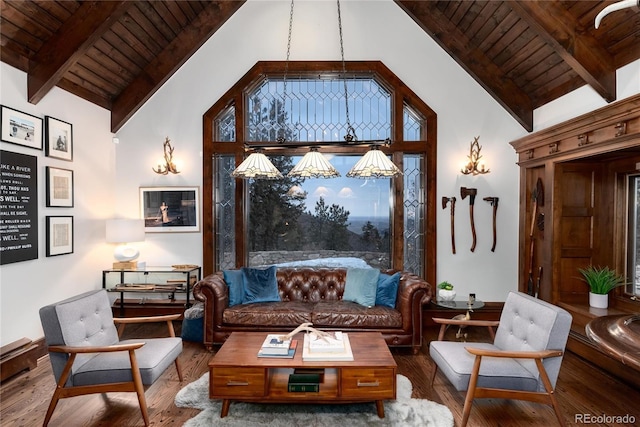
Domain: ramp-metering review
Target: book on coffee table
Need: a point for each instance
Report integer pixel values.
(274, 344)
(319, 356)
(290, 352)
(333, 342)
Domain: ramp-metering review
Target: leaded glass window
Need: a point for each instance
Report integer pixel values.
(383, 221)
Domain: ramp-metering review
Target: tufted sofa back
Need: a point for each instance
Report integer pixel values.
(530, 324)
(311, 284)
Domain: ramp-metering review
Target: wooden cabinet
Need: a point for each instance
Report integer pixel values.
(583, 164)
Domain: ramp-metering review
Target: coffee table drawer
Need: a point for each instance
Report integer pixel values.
(237, 382)
(374, 383)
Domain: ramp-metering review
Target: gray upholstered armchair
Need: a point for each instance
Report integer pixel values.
(522, 363)
(87, 355)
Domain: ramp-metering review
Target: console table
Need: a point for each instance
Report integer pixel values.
(148, 284)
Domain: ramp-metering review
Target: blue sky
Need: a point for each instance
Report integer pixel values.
(361, 197)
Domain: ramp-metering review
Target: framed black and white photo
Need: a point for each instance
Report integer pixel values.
(170, 209)
(21, 128)
(59, 235)
(59, 187)
(59, 139)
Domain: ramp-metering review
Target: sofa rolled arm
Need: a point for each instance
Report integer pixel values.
(413, 293)
(214, 293)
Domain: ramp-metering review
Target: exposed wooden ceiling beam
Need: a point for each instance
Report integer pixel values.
(474, 61)
(170, 60)
(556, 26)
(63, 49)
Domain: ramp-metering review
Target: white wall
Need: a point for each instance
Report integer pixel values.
(375, 30)
(26, 286)
(372, 30)
(108, 177)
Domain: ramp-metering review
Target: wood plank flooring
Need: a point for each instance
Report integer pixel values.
(581, 389)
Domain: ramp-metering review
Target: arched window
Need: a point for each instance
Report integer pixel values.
(389, 223)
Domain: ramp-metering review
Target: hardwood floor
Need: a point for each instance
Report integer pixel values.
(581, 389)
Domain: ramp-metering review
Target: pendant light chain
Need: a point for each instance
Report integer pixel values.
(349, 137)
(282, 138)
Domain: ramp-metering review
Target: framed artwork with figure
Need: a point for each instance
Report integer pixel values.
(170, 209)
(59, 139)
(20, 128)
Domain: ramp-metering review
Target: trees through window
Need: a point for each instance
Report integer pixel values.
(386, 222)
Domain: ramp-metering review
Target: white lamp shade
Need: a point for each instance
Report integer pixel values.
(314, 165)
(257, 165)
(125, 230)
(374, 164)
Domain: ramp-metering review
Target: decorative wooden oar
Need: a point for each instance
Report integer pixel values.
(538, 198)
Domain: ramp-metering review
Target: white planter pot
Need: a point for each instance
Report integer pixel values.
(446, 295)
(598, 300)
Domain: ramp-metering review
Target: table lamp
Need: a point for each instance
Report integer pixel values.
(125, 232)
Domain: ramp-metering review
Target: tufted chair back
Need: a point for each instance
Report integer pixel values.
(530, 324)
(83, 320)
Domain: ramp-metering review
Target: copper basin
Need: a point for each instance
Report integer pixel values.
(618, 336)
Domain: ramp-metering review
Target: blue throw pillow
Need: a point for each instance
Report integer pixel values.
(260, 285)
(233, 279)
(360, 286)
(387, 290)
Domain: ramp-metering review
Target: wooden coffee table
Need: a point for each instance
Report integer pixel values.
(237, 373)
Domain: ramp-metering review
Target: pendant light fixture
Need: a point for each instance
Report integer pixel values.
(256, 166)
(374, 164)
(314, 165)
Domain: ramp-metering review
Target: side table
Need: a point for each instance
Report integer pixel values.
(459, 305)
(462, 306)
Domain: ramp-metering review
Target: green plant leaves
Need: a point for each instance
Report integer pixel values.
(601, 280)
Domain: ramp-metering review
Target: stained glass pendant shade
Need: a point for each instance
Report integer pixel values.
(314, 165)
(256, 166)
(374, 164)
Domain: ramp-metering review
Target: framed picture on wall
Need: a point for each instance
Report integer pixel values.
(59, 187)
(21, 128)
(59, 139)
(170, 209)
(59, 235)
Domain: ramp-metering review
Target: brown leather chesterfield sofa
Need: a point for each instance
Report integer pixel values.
(314, 295)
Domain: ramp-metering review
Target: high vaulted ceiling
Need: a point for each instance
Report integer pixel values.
(117, 53)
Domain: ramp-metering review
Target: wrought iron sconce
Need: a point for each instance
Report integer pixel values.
(473, 166)
(168, 166)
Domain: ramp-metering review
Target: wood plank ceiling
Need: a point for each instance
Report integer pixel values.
(117, 53)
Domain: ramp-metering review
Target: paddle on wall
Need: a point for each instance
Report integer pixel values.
(537, 194)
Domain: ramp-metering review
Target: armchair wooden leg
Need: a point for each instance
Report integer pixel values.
(433, 376)
(179, 369)
(59, 387)
(52, 407)
(137, 382)
(468, 400)
(549, 388)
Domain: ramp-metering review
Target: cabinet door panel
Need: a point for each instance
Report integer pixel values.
(578, 186)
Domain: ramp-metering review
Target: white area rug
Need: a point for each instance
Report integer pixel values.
(405, 411)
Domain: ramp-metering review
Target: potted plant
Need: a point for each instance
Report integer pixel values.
(601, 281)
(446, 292)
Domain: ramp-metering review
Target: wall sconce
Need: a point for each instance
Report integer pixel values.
(474, 167)
(168, 166)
